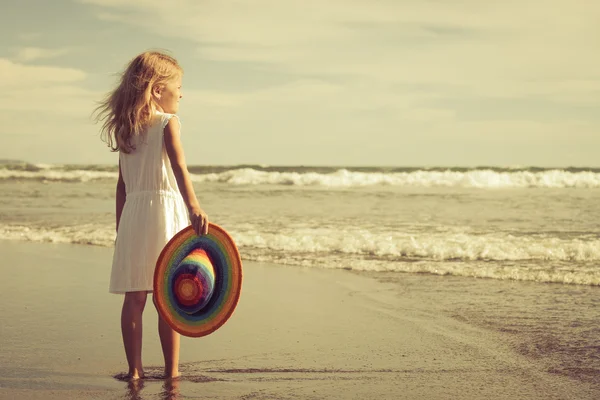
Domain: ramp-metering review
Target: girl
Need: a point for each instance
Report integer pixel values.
(154, 194)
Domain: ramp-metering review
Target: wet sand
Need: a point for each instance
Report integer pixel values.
(296, 334)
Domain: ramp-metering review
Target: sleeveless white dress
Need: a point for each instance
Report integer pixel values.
(154, 210)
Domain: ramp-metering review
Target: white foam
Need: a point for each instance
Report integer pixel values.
(432, 245)
(344, 178)
(89, 234)
(50, 174)
(492, 255)
(535, 272)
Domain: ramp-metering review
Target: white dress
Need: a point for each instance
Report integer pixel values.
(154, 210)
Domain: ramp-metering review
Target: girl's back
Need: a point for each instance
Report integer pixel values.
(147, 168)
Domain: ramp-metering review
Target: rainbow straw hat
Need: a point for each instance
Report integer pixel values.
(198, 280)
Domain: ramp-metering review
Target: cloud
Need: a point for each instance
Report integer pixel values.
(512, 48)
(460, 78)
(29, 36)
(47, 89)
(27, 54)
(57, 100)
(14, 74)
(304, 94)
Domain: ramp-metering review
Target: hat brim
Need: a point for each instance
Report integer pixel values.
(227, 263)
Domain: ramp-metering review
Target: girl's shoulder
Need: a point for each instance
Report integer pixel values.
(164, 118)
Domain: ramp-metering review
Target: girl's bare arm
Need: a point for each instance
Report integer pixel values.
(184, 183)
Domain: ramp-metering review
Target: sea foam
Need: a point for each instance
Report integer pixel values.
(422, 178)
(344, 178)
(492, 255)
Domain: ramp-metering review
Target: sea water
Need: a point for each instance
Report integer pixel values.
(529, 224)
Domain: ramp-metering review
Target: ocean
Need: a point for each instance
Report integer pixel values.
(533, 233)
(528, 224)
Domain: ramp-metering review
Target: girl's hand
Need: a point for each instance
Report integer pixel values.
(199, 221)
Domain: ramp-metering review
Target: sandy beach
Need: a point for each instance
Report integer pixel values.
(297, 333)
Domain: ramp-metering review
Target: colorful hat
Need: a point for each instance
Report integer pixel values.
(198, 280)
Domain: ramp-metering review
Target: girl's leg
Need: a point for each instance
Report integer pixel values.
(169, 340)
(131, 327)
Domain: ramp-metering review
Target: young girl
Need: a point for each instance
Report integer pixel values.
(154, 194)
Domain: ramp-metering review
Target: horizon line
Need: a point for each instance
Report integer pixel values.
(5, 161)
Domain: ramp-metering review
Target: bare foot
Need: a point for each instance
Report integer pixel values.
(173, 375)
(129, 377)
(135, 374)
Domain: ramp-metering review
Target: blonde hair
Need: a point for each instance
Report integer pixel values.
(129, 108)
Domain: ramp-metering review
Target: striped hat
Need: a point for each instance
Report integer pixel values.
(198, 281)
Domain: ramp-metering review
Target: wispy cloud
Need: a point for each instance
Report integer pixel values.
(18, 74)
(47, 89)
(27, 54)
(29, 36)
(489, 48)
(328, 81)
(411, 61)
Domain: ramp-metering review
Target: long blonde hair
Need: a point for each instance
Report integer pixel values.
(129, 109)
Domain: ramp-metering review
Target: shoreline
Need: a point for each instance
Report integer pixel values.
(296, 333)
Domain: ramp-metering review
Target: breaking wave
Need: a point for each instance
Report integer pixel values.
(493, 255)
(331, 177)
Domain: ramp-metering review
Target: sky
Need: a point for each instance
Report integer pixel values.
(313, 82)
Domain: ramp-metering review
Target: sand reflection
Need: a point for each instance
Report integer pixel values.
(134, 388)
(170, 389)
